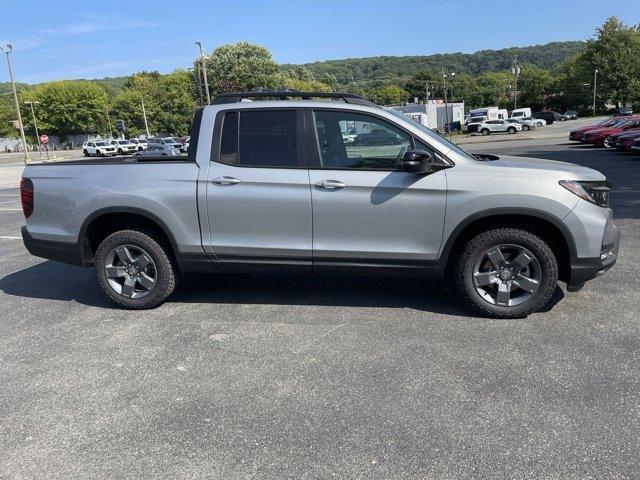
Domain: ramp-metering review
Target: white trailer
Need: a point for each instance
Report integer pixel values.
(521, 113)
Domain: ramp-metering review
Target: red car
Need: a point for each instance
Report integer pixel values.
(598, 136)
(623, 141)
(576, 135)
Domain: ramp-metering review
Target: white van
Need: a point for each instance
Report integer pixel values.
(521, 112)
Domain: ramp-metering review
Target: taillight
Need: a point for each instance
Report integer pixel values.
(26, 195)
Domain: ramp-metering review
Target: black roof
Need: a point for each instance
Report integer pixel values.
(287, 94)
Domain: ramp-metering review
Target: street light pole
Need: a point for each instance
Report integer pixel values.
(446, 103)
(204, 73)
(35, 124)
(595, 80)
(144, 115)
(7, 50)
(516, 71)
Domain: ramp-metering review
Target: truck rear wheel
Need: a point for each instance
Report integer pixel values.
(506, 273)
(135, 270)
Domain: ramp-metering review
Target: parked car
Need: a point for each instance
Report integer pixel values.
(99, 149)
(576, 135)
(141, 144)
(571, 115)
(548, 117)
(526, 124)
(377, 136)
(499, 126)
(124, 147)
(157, 149)
(597, 137)
(248, 198)
(559, 117)
(623, 111)
(623, 141)
(164, 141)
(539, 122)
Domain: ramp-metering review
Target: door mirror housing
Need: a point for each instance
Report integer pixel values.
(421, 161)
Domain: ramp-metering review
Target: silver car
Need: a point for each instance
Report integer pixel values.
(273, 185)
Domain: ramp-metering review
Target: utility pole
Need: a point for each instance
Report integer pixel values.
(144, 115)
(7, 50)
(516, 71)
(35, 124)
(204, 73)
(109, 122)
(426, 92)
(595, 80)
(446, 103)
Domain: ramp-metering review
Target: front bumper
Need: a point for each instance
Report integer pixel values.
(584, 269)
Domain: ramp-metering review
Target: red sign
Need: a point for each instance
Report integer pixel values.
(44, 138)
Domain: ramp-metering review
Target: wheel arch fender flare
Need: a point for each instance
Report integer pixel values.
(83, 239)
(496, 213)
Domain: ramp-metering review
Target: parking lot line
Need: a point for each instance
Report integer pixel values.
(5, 237)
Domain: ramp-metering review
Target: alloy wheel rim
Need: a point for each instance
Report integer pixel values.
(507, 275)
(130, 271)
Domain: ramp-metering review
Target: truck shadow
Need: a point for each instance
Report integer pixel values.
(79, 284)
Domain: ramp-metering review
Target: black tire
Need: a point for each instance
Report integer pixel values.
(526, 128)
(120, 152)
(511, 130)
(485, 131)
(562, 119)
(85, 152)
(165, 270)
(473, 251)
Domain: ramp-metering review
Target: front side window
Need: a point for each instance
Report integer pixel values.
(356, 141)
(266, 138)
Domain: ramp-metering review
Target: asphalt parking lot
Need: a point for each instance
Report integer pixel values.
(321, 377)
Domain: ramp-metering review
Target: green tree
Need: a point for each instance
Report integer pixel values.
(534, 84)
(168, 102)
(615, 52)
(387, 95)
(241, 67)
(68, 107)
(7, 116)
(306, 85)
(423, 81)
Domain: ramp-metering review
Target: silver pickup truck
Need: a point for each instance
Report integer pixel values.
(283, 184)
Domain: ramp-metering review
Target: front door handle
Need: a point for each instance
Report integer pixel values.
(225, 181)
(330, 184)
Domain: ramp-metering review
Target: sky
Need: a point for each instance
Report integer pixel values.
(65, 39)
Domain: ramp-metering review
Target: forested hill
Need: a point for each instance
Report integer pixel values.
(378, 70)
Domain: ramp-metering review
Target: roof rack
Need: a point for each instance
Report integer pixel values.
(285, 94)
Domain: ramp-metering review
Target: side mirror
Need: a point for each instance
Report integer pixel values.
(420, 161)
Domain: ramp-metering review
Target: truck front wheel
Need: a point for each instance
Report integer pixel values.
(135, 270)
(506, 273)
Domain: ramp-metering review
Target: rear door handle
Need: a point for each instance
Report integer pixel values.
(225, 181)
(330, 184)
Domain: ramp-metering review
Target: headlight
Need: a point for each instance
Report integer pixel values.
(594, 192)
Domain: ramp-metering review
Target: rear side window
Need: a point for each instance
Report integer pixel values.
(259, 139)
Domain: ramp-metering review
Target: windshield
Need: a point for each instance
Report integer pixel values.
(477, 119)
(123, 142)
(101, 144)
(432, 135)
(517, 114)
